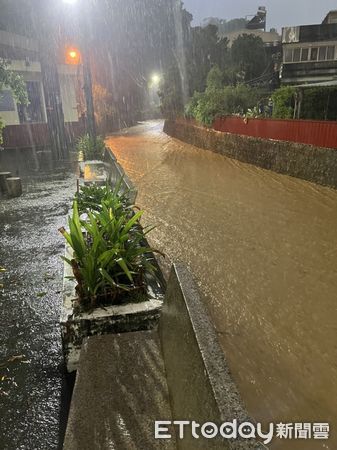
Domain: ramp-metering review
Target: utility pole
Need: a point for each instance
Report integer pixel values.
(54, 110)
(86, 39)
(91, 124)
(51, 83)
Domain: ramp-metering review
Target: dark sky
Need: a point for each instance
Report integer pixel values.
(280, 12)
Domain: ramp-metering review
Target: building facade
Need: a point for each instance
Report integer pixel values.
(30, 122)
(310, 53)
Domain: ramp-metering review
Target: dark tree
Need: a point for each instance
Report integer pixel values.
(204, 50)
(170, 94)
(249, 56)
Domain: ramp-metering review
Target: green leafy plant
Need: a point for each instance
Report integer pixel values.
(92, 197)
(109, 255)
(219, 101)
(16, 83)
(91, 148)
(283, 102)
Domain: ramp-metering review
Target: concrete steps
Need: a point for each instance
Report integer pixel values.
(10, 186)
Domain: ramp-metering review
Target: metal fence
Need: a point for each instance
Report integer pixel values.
(312, 132)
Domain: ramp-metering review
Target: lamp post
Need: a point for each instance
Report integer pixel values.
(87, 77)
(153, 86)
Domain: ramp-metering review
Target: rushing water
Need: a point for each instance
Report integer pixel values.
(263, 248)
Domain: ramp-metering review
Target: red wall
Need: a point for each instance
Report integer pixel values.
(36, 134)
(314, 132)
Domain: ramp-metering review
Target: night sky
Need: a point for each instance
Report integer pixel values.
(280, 12)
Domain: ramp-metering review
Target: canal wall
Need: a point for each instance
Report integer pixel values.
(315, 164)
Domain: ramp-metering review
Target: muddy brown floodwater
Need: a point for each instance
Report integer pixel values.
(263, 248)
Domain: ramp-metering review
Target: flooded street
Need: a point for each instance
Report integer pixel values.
(263, 248)
(33, 387)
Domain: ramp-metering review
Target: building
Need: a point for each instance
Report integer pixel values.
(310, 53)
(27, 125)
(270, 38)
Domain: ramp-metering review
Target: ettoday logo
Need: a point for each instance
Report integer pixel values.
(245, 430)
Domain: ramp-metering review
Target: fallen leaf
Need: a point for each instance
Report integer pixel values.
(16, 358)
(41, 294)
(47, 277)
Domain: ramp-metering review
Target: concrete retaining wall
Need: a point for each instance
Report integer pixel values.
(310, 163)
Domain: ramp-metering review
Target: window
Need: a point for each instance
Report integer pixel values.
(297, 55)
(288, 56)
(330, 52)
(322, 54)
(314, 54)
(6, 101)
(305, 54)
(33, 112)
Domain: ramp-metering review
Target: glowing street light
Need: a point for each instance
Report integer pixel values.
(155, 79)
(73, 56)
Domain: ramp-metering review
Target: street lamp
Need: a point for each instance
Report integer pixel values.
(74, 57)
(155, 79)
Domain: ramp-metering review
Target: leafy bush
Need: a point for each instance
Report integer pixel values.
(210, 105)
(319, 103)
(240, 98)
(191, 106)
(91, 148)
(214, 79)
(17, 85)
(219, 101)
(283, 102)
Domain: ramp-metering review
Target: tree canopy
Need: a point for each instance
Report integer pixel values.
(249, 56)
(204, 50)
(10, 79)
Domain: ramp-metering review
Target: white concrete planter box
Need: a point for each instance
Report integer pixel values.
(99, 172)
(75, 326)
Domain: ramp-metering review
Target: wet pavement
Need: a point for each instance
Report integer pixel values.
(33, 388)
(263, 248)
